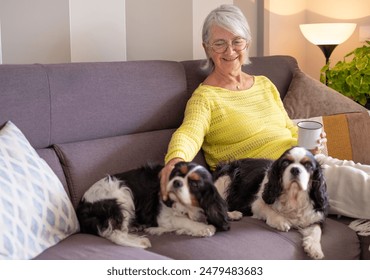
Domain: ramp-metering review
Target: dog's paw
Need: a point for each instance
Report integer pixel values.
(155, 230)
(235, 215)
(278, 222)
(207, 231)
(144, 243)
(313, 249)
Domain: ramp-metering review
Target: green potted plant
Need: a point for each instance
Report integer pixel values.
(351, 77)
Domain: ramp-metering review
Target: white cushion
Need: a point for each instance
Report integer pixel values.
(36, 212)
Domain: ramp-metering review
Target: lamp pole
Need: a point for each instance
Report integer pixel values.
(327, 50)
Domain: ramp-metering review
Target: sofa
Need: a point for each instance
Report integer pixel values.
(86, 120)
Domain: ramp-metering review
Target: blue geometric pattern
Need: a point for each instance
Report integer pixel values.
(35, 211)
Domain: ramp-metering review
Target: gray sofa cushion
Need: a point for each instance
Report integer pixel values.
(90, 247)
(98, 100)
(254, 239)
(247, 239)
(52, 160)
(25, 100)
(308, 98)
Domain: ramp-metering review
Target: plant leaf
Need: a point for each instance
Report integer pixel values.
(362, 63)
(352, 77)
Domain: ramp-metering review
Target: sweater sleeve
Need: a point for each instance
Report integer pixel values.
(188, 138)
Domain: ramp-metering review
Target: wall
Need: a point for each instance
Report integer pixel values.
(159, 29)
(97, 30)
(45, 31)
(284, 16)
(282, 20)
(34, 31)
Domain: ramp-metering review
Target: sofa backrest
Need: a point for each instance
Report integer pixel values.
(25, 100)
(62, 103)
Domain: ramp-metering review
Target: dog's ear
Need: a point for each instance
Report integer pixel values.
(214, 207)
(273, 188)
(231, 169)
(318, 193)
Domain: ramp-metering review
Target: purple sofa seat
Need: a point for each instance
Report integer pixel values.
(247, 239)
(91, 119)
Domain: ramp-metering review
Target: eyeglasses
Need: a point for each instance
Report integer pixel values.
(220, 46)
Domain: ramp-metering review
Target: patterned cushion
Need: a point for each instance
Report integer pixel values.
(36, 212)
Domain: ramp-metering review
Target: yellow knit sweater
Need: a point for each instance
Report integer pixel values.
(231, 125)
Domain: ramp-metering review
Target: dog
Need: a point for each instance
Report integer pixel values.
(289, 192)
(116, 206)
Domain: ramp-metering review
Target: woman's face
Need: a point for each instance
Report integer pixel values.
(231, 59)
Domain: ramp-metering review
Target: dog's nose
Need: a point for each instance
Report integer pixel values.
(177, 184)
(295, 171)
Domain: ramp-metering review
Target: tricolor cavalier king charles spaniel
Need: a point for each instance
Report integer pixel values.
(289, 192)
(117, 205)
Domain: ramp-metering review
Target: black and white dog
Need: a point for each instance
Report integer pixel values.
(287, 193)
(117, 205)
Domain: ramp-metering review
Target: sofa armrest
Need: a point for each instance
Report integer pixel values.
(307, 97)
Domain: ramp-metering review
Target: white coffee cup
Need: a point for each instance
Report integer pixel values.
(309, 134)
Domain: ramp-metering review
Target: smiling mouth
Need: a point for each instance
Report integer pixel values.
(231, 59)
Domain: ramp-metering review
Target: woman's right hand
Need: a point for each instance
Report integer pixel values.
(322, 141)
(165, 174)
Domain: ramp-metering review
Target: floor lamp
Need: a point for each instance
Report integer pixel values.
(327, 35)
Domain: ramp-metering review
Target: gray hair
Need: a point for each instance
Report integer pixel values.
(232, 19)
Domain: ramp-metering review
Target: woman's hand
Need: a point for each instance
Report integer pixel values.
(165, 174)
(321, 143)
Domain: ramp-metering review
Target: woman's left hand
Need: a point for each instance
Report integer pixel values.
(321, 143)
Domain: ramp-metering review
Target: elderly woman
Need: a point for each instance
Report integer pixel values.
(234, 115)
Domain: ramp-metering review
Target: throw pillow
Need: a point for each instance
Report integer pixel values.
(36, 212)
(347, 136)
(307, 97)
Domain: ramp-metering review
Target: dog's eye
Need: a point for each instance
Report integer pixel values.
(285, 163)
(193, 183)
(308, 165)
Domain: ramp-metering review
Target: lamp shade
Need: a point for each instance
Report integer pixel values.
(327, 33)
